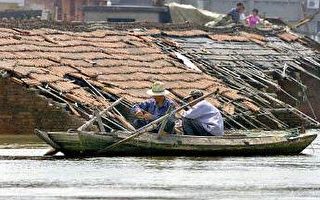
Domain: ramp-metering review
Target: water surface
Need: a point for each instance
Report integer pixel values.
(26, 174)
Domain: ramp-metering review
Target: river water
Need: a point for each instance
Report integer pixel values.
(25, 174)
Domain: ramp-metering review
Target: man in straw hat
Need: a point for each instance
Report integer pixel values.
(202, 118)
(154, 108)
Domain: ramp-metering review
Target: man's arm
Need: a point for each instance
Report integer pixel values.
(140, 107)
(195, 112)
(231, 12)
(140, 111)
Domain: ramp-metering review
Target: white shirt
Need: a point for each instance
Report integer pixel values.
(208, 115)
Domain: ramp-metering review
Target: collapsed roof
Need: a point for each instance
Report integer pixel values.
(75, 67)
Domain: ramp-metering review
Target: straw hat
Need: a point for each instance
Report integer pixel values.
(157, 89)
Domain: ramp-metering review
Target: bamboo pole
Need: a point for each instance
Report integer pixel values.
(232, 79)
(78, 109)
(91, 121)
(61, 99)
(99, 120)
(294, 110)
(118, 115)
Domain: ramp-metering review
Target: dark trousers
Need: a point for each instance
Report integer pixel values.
(193, 127)
(169, 127)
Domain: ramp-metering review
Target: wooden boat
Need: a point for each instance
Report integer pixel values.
(234, 143)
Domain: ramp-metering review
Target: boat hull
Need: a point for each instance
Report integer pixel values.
(92, 144)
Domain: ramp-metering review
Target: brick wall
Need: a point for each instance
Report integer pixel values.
(22, 110)
(313, 96)
(312, 93)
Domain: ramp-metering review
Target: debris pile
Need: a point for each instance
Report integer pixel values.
(254, 64)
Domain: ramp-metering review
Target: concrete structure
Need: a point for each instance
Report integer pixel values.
(97, 10)
(290, 11)
(19, 2)
(126, 13)
(65, 10)
(8, 6)
(20, 14)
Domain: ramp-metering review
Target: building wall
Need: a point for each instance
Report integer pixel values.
(71, 10)
(309, 102)
(138, 16)
(22, 110)
(66, 10)
(40, 4)
(133, 2)
(312, 96)
(20, 14)
(8, 6)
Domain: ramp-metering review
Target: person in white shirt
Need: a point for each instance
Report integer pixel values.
(202, 119)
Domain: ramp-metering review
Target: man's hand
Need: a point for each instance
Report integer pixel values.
(148, 116)
(139, 114)
(144, 115)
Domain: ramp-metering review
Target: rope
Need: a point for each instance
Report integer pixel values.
(293, 133)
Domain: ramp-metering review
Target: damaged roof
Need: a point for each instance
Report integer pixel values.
(124, 63)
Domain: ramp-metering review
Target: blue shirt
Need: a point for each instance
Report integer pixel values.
(235, 15)
(208, 115)
(151, 107)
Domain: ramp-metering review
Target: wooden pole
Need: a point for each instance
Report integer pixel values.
(61, 99)
(101, 127)
(117, 114)
(91, 121)
(164, 122)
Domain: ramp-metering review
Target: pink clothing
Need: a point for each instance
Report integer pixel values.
(253, 20)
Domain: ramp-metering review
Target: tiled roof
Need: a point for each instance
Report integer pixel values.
(252, 62)
(125, 63)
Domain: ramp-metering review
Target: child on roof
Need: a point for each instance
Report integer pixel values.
(253, 20)
(236, 13)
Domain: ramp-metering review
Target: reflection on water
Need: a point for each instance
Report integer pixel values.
(20, 141)
(25, 174)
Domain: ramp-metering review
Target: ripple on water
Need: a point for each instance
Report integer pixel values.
(25, 174)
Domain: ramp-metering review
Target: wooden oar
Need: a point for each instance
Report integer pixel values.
(91, 121)
(164, 122)
(141, 130)
(116, 115)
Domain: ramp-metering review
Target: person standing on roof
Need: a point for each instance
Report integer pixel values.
(236, 13)
(203, 119)
(154, 108)
(253, 20)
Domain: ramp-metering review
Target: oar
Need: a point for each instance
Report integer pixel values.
(91, 121)
(164, 122)
(116, 115)
(141, 130)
